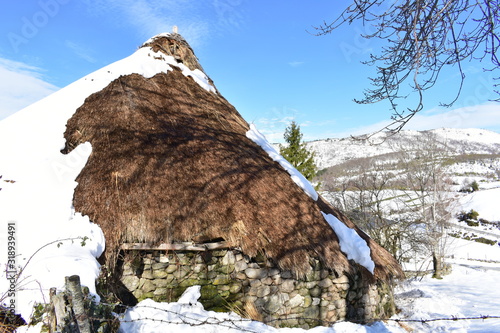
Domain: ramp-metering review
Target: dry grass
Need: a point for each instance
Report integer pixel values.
(171, 162)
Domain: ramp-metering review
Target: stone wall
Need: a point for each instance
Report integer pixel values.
(231, 280)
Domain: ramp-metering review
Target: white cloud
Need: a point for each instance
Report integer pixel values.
(486, 116)
(295, 63)
(21, 85)
(81, 51)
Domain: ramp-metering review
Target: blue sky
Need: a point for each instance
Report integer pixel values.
(262, 56)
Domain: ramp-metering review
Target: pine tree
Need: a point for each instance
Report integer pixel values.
(296, 152)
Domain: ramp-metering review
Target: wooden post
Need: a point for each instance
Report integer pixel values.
(74, 287)
(51, 312)
(62, 314)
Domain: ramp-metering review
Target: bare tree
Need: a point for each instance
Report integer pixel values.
(361, 189)
(422, 37)
(427, 195)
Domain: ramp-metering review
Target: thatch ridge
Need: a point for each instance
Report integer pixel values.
(170, 162)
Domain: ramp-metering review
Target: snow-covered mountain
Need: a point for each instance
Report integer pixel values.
(331, 152)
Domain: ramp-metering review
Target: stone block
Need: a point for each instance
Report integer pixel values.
(240, 265)
(131, 282)
(341, 280)
(147, 274)
(171, 268)
(267, 281)
(287, 286)
(235, 288)
(159, 266)
(148, 286)
(221, 280)
(256, 273)
(315, 292)
(160, 274)
(325, 283)
(274, 304)
(263, 291)
(229, 258)
(296, 301)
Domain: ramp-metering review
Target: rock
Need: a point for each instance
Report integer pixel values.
(131, 282)
(163, 259)
(229, 258)
(315, 292)
(274, 304)
(263, 291)
(160, 274)
(276, 279)
(235, 288)
(256, 273)
(221, 280)
(312, 276)
(316, 301)
(181, 273)
(287, 286)
(255, 283)
(341, 280)
(160, 291)
(171, 268)
(160, 283)
(312, 312)
(240, 266)
(159, 266)
(148, 286)
(325, 283)
(147, 274)
(208, 292)
(298, 300)
(307, 301)
(267, 281)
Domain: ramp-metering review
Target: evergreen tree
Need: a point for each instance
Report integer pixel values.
(296, 152)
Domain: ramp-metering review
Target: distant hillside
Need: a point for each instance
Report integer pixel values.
(330, 152)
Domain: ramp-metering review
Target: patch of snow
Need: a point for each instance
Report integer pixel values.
(351, 243)
(257, 137)
(484, 202)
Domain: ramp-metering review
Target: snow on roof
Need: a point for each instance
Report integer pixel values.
(257, 137)
(351, 243)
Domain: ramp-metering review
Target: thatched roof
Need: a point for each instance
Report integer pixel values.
(170, 162)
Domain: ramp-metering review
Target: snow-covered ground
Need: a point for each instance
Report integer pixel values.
(333, 151)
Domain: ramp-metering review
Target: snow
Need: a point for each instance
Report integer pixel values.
(257, 137)
(351, 243)
(329, 152)
(485, 202)
(38, 182)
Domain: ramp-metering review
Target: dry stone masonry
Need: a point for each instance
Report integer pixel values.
(230, 280)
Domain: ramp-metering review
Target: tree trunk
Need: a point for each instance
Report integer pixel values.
(74, 287)
(437, 265)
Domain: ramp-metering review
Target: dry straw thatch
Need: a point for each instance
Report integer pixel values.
(171, 162)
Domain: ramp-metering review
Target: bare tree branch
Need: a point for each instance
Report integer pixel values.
(421, 38)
